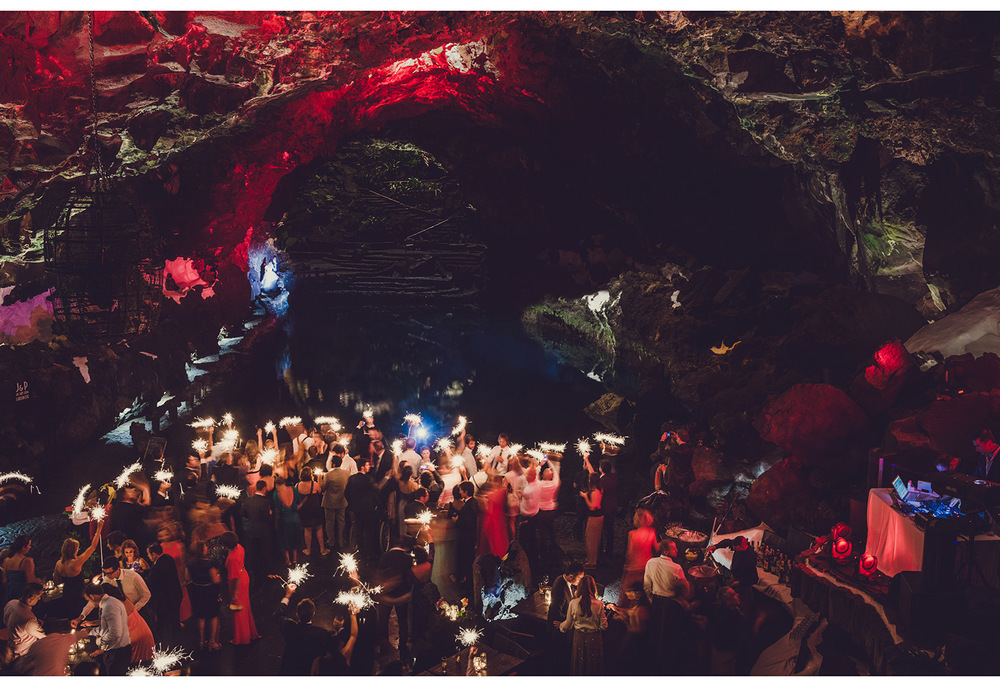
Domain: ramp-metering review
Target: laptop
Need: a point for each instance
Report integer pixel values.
(907, 494)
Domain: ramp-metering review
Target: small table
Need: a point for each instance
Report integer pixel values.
(533, 607)
(497, 663)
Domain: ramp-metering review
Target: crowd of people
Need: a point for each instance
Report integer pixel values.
(174, 548)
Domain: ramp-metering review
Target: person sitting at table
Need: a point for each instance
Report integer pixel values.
(585, 616)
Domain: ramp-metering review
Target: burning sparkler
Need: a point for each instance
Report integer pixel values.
(165, 659)
(15, 475)
(348, 563)
(424, 518)
(227, 492)
(514, 449)
(445, 444)
(227, 419)
(397, 447)
(269, 455)
(356, 599)
(199, 445)
(551, 448)
(609, 439)
(456, 462)
(164, 476)
(369, 414)
(537, 455)
(344, 441)
(269, 427)
(286, 421)
(484, 450)
(460, 426)
(468, 636)
(298, 574)
(98, 513)
(80, 500)
(123, 479)
(139, 671)
(329, 420)
(199, 423)
(413, 419)
(583, 447)
(229, 439)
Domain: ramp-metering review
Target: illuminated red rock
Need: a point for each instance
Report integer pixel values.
(811, 421)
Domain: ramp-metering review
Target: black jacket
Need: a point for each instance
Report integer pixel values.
(164, 586)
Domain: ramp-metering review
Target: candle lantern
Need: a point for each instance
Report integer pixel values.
(841, 550)
(868, 565)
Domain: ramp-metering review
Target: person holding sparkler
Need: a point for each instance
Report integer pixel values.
(69, 572)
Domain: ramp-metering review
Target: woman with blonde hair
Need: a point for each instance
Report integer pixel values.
(585, 616)
(641, 547)
(69, 571)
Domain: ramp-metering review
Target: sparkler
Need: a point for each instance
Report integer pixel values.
(163, 476)
(139, 671)
(227, 419)
(460, 426)
(199, 445)
(369, 414)
(355, 599)
(468, 636)
(79, 501)
(413, 419)
(456, 462)
(583, 447)
(551, 448)
(514, 449)
(269, 427)
(445, 444)
(227, 492)
(202, 424)
(122, 479)
(612, 439)
(348, 563)
(298, 574)
(329, 420)
(269, 455)
(537, 455)
(424, 518)
(165, 659)
(98, 513)
(15, 475)
(483, 450)
(397, 447)
(344, 441)
(286, 421)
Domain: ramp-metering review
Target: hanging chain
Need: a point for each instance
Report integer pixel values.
(93, 105)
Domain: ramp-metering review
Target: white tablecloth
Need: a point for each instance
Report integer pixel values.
(898, 543)
(893, 539)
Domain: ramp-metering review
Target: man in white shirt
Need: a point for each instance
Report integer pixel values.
(529, 501)
(499, 456)
(409, 456)
(548, 491)
(466, 446)
(23, 628)
(663, 577)
(346, 462)
(129, 581)
(113, 642)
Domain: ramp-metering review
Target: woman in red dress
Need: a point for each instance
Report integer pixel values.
(494, 537)
(244, 630)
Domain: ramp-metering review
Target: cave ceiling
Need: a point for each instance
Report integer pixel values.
(862, 124)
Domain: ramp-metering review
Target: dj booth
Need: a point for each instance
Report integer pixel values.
(899, 544)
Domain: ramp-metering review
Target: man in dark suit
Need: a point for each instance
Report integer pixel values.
(467, 524)
(257, 516)
(563, 590)
(381, 461)
(304, 642)
(363, 503)
(165, 595)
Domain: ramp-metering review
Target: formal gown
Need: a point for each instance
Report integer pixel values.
(289, 525)
(175, 550)
(141, 636)
(244, 630)
(495, 537)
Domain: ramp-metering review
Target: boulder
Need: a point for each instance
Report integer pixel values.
(879, 386)
(812, 421)
(782, 497)
(709, 465)
(613, 411)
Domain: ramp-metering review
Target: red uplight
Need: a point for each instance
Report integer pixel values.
(840, 531)
(868, 565)
(841, 550)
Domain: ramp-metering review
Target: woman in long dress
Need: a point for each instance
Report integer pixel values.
(286, 508)
(595, 519)
(244, 629)
(494, 537)
(585, 616)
